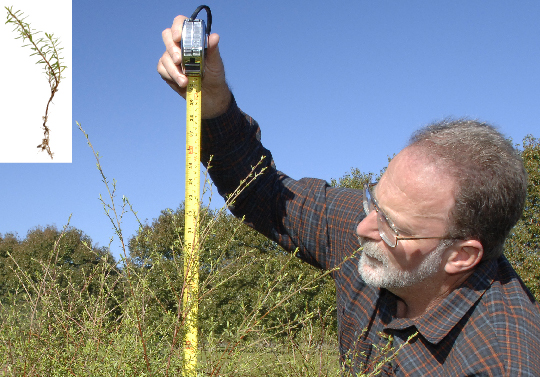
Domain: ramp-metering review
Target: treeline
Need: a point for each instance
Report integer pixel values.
(27, 260)
(246, 281)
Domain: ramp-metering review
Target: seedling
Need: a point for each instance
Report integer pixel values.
(47, 49)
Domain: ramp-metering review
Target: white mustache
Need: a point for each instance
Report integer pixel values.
(371, 249)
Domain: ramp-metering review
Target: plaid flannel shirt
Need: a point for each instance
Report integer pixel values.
(489, 326)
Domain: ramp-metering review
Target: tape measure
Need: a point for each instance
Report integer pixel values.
(193, 46)
(191, 218)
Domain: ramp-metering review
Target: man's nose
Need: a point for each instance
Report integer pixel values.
(368, 228)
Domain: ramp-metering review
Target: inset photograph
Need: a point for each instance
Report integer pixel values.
(36, 40)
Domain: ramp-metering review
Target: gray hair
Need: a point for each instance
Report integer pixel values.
(491, 181)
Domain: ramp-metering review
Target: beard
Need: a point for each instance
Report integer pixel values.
(376, 270)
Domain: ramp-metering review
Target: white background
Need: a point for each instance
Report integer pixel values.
(25, 89)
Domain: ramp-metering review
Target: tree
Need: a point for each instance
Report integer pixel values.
(522, 248)
(8, 282)
(66, 256)
(355, 179)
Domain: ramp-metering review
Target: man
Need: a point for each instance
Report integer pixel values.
(431, 233)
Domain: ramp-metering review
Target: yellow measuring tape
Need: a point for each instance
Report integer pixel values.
(191, 236)
(193, 46)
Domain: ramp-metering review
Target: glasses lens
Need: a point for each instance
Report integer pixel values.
(387, 233)
(368, 202)
(385, 230)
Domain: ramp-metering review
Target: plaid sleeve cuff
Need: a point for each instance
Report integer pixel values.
(232, 142)
(221, 134)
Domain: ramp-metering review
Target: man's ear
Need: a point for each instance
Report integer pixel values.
(464, 256)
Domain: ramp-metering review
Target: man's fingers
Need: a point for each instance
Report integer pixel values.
(169, 63)
(170, 72)
(162, 71)
(171, 39)
(176, 28)
(172, 47)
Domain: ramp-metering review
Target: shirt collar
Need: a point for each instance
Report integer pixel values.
(439, 320)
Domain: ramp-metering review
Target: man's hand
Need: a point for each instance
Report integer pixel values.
(216, 95)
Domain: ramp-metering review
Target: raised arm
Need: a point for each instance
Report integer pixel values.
(305, 215)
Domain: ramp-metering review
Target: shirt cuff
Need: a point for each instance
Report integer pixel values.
(223, 134)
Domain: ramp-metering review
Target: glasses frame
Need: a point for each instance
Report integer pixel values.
(382, 219)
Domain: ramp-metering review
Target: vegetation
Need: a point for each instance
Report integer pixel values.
(236, 262)
(73, 256)
(67, 308)
(522, 248)
(47, 49)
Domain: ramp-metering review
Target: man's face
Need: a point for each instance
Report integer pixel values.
(417, 198)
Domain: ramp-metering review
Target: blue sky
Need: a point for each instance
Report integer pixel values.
(334, 85)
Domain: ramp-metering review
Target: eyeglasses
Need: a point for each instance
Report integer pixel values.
(387, 229)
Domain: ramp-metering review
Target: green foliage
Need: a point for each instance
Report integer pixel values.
(47, 49)
(66, 330)
(355, 179)
(69, 250)
(62, 327)
(522, 248)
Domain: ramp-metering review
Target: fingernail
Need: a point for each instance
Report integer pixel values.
(176, 58)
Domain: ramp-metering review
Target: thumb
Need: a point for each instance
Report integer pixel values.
(214, 64)
(213, 41)
(217, 96)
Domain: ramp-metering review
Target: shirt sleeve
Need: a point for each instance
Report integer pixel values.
(307, 215)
